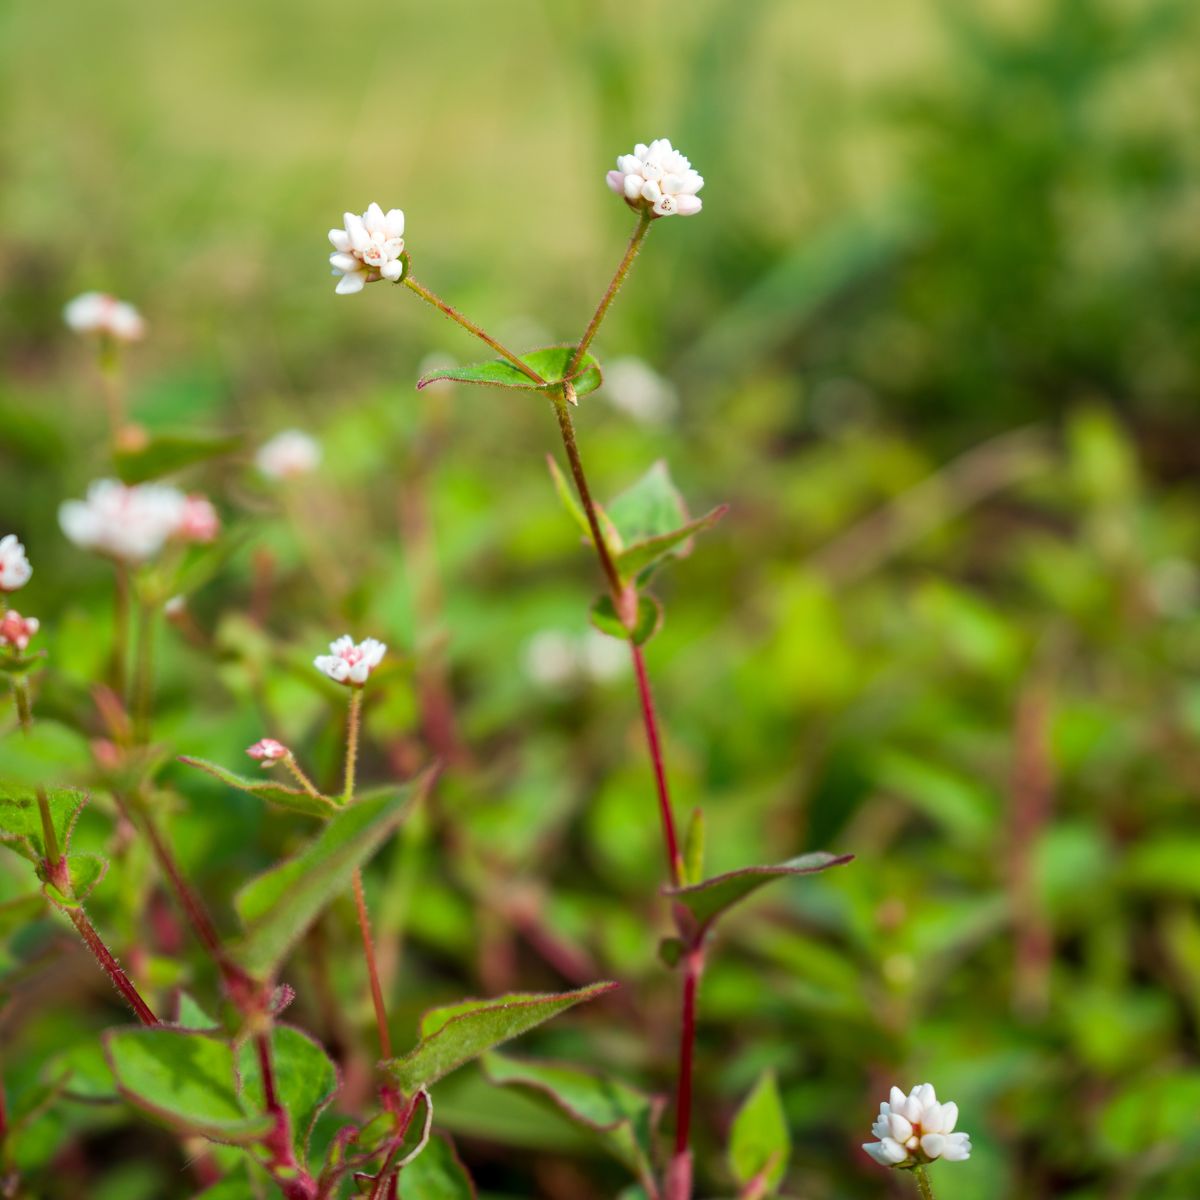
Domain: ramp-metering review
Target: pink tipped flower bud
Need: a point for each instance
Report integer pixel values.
(268, 751)
(16, 630)
(97, 312)
(198, 520)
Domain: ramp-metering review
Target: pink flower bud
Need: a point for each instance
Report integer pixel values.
(16, 630)
(198, 521)
(268, 751)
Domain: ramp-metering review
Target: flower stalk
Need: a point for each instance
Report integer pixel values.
(921, 1175)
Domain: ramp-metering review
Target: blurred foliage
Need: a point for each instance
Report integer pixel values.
(935, 341)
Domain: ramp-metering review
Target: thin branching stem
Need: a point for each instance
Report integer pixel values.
(470, 326)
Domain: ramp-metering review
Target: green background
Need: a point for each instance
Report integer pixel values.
(934, 338)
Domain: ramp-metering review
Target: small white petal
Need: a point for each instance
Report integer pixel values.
(349, 284)
(933, 1144)
(394, 222)
(616, 181)
(359, 238)
(899, 1127)
(957, 1148)
(933, 1119)
(374, 219)
(340, 240)
(687, 205)
(949, 1116)
(896, 1099)
(344, 262)
(651, 191)
(392, 270)
(633, 186)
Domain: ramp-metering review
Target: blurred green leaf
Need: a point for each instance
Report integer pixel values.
(280, 795)
(161, 454)
(708, 900)
(277, 908)
(305, 1080)
(624, 1116)
(603, 615)
(455, 1034)
(87, 871)
(21, 664)
(638, 557)
(436, 1174)
(650, 508)
(759, 1143)
(186, 1080)
(550, 363)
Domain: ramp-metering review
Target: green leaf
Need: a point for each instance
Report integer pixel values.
(693, 848)
(21, 822)
(235, 1186)
(550, 363)
(190, 1014)
(277, 908)
(455, 1034)
(649, 508)
(436, 1174)
(86, 1071)
(17, 664)
(87, 871)
(162, 453)
(638, 557)
(281, 795)
(603, 615)
(759, 1143)
(624, 1117)
(187, 1080)
(708, 900)
(305, 1080)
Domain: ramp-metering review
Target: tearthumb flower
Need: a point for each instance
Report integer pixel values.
(368, 248)
(96, 312)
(14, 566)
(349, 663)
(659, 179)
(16, 630)
(288, 454)
(127, 523)
(916, 1129)
(268, 751)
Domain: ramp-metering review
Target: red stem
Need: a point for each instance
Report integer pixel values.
(650, 720)
(364, 925)
(693, 968)
(111, 967)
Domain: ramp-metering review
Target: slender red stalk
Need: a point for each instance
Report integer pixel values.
(650, 720)
(111, 967)
(364, 925)
(296, 1184)
(693, 969)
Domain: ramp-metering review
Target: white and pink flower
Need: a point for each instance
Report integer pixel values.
(268, 751)
(368, 248)
(98, 312)
(658, 179)
(288, 455)
(916, 1129)
(199, 520)
(349, 662)
(14, 565)
(16, 630)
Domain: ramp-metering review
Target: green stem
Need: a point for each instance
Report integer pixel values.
(922, 1178)
(470, 326)
(144, 674)
(302, 779)
(20, 687)
(631, 252)
(353, 725)
(120, 630)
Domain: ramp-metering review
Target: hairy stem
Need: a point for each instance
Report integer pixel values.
(631, 251)
(654, 741)
(295, 1183)
(364, 926)
(470, 326)
(111, 967)
(693, 970)
(353, 726)
(921, 1175)
(143, 681)
(566, 428)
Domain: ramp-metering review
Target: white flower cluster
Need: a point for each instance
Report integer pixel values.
(658, 178)
(97, 312)
(916, 1129)
(368, 248)
(14, 566)
(133, 523)
(350, 663)
(288, 455)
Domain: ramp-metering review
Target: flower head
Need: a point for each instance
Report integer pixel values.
(131, 524)
(96, 312)
(288, 454)
(657, 179)
(916, 1129)
(14, 566)
(268, 751)
(16, 630)
(368, 248)
(349, 663)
